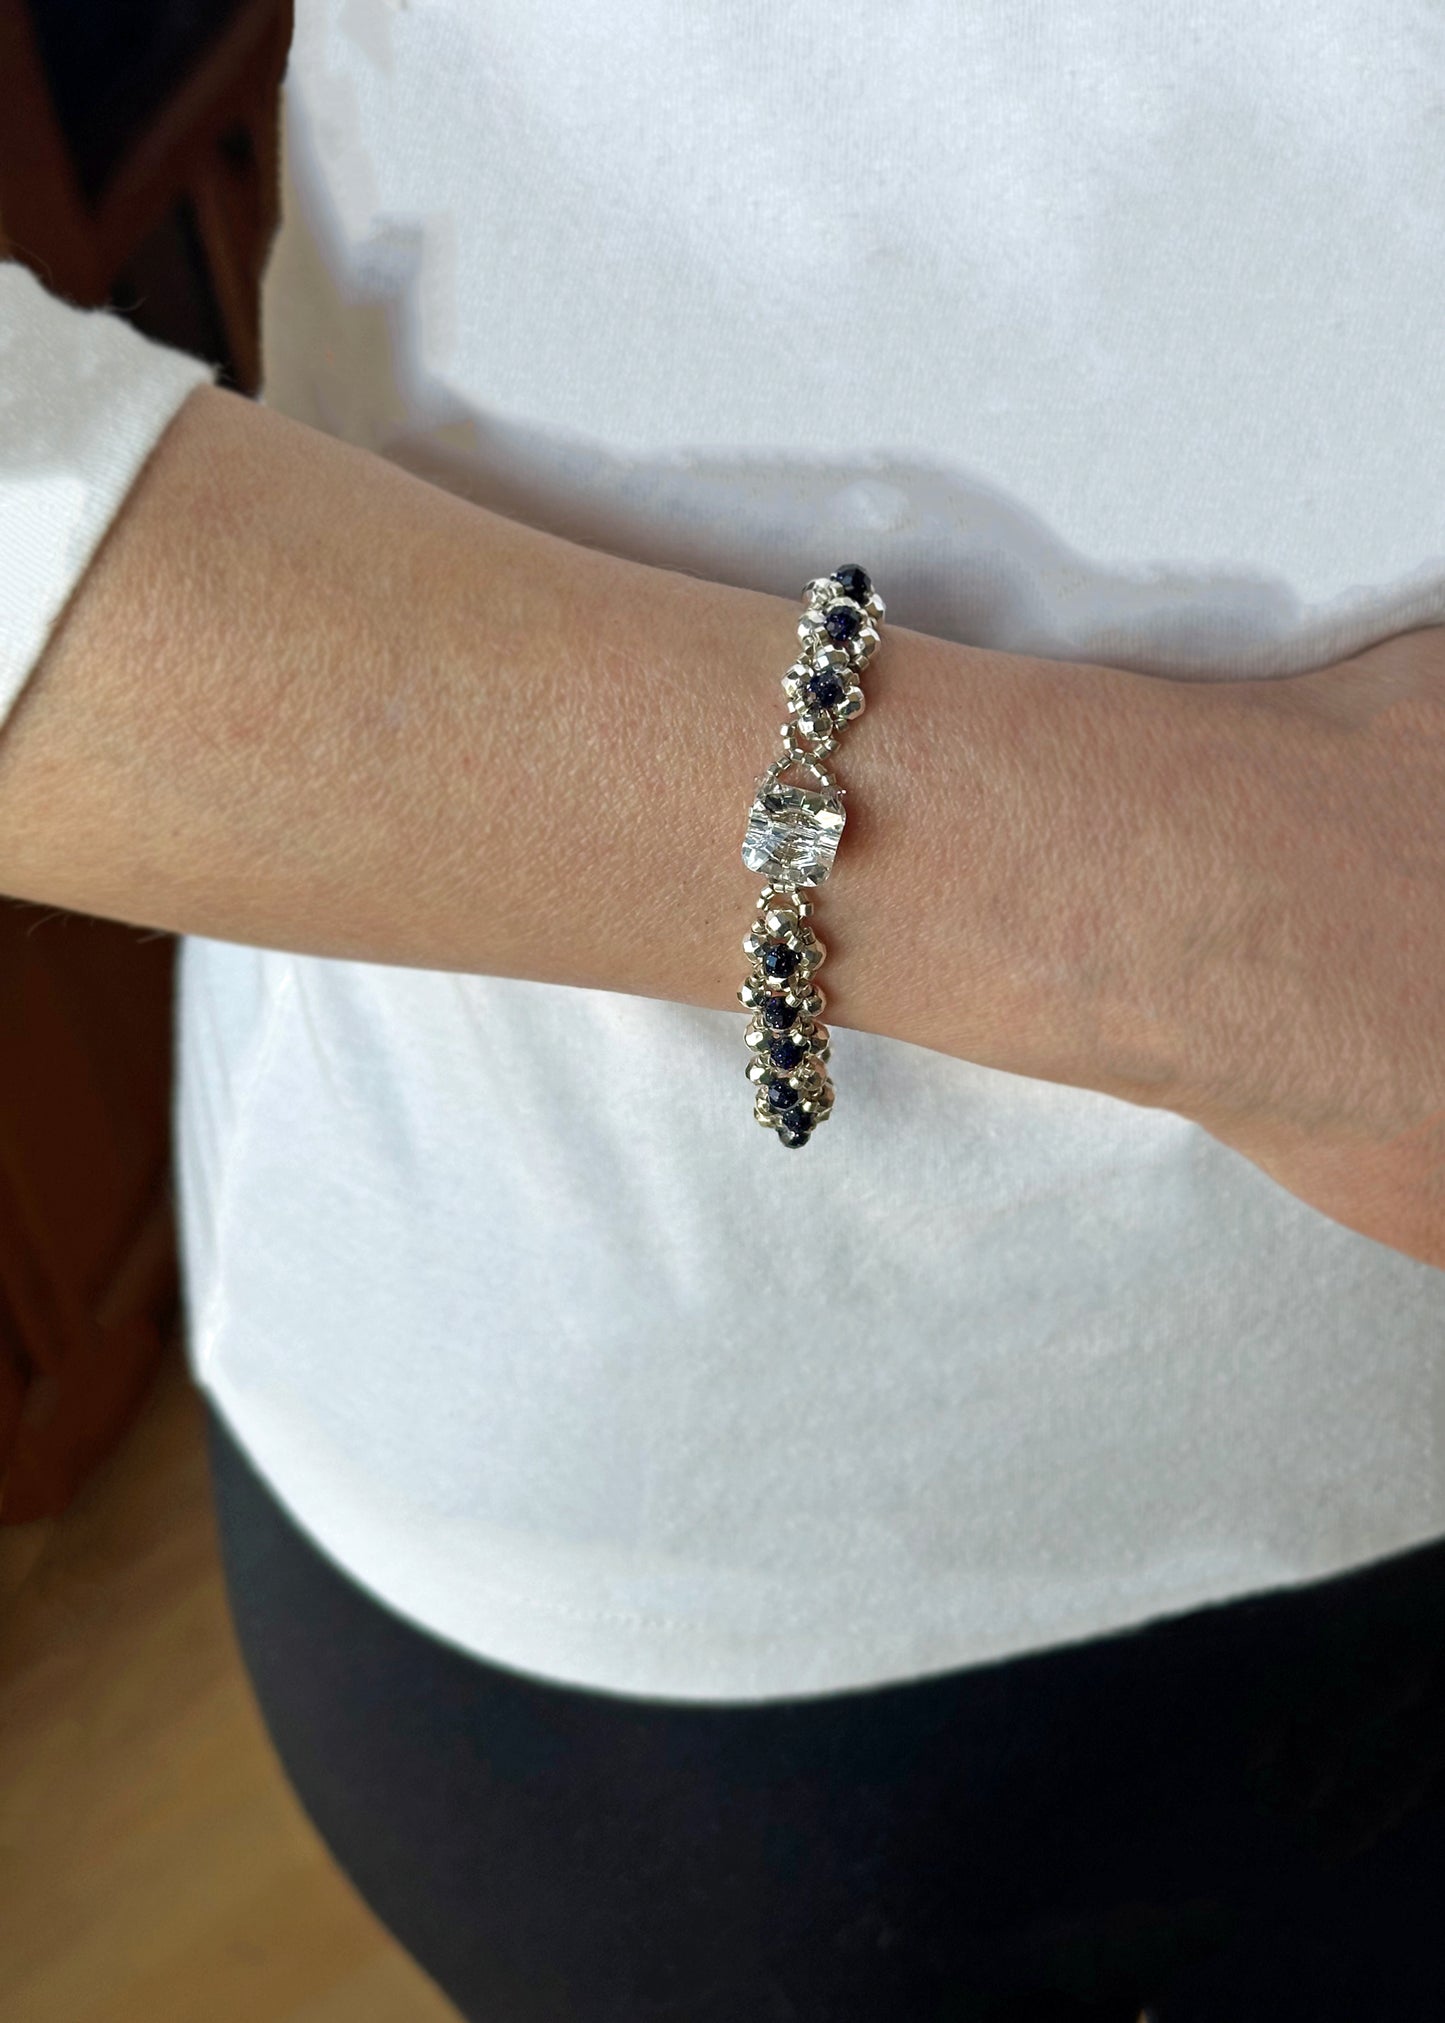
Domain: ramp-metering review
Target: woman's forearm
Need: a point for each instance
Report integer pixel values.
(304, 699)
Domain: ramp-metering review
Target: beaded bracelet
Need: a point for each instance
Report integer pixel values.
(792, 838)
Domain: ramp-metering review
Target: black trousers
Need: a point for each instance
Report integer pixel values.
(1237, 1815)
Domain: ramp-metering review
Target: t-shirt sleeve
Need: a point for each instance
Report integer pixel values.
(84, 398)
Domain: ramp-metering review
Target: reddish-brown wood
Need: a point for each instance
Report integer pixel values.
(43, 220)
(212, 145)
(88, 1279)
(87, 1247)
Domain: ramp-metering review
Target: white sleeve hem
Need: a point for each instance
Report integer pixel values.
(84, 398)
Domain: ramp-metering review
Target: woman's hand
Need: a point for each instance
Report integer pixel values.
(1319, 986)
(1228, 900)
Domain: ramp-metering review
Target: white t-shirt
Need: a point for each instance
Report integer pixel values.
(1108, 334)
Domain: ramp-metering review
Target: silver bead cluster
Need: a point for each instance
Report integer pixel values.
(788, 1043)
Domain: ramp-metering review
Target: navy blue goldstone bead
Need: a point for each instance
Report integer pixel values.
(786, 1054)
(780, 960)
(780, 1095)
(777, 1016)
(793, 1137)
(855, 580)
(841, 621)
(825, 689)
(796, 1120)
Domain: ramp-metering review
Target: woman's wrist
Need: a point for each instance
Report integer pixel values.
(1227, 900)
(1004, 905)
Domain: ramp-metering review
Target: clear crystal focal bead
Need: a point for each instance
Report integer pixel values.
(792, 834)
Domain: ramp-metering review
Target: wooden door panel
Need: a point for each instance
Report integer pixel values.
(88, 1288)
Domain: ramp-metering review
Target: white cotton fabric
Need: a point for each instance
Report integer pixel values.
(83, 397)
(1101, 332)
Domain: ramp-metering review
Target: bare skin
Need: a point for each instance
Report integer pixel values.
(305, 700)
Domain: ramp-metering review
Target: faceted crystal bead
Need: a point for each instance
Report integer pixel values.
(792, 834)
